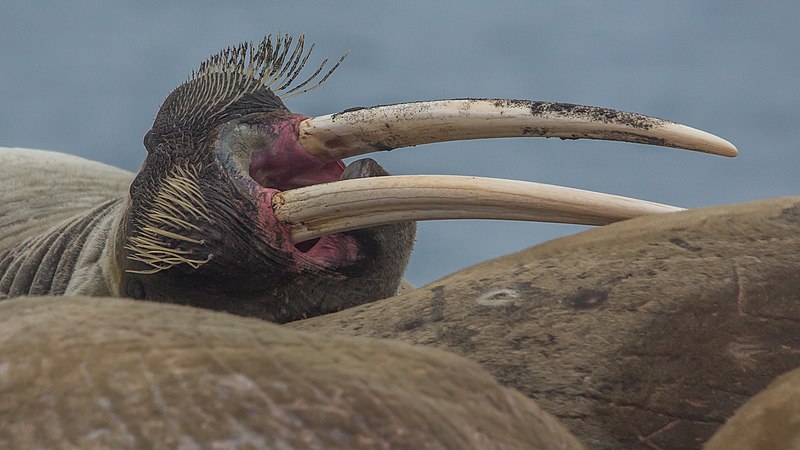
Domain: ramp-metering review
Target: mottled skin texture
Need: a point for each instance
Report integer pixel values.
(109, 373)
(768, 421)
(647, 333)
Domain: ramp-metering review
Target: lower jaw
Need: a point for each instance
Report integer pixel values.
(330, 252)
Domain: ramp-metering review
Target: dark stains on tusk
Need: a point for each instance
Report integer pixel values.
(364, 130)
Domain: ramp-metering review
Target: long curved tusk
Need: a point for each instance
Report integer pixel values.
(313, 211)
(365, 130)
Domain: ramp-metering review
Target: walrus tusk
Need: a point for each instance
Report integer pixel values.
(313, 211)
(365, 130)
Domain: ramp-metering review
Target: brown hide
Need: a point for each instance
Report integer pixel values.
(643, 334)
(768, 421)
(78, 372)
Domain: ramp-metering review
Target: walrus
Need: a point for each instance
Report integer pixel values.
(246, 207)
(647, 333)
(148, 375)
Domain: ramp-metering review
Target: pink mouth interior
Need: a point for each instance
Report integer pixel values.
(286, 165)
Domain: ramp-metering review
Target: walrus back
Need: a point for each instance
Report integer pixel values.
(41, 189)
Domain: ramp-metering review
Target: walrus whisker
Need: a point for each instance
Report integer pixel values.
(299, 63)
(292, 94)
(179, 223)
(176, 202)
(290, 67)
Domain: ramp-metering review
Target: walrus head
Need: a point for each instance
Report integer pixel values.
(243, 206)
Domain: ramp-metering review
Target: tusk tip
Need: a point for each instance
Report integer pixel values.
(689, 138)
(732, 150)
(725, 148)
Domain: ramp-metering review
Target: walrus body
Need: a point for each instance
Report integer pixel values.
(643, 334)
(193, 378)
(56, 214)
(244, 206)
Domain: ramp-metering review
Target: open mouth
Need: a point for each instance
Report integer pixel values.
(284, 166)
(311, 203)
(315, 202)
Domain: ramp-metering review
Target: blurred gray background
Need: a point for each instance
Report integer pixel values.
(87, 78)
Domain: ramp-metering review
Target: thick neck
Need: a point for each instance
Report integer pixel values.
(73, 258)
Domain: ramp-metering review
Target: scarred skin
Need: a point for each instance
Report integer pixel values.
(643, 334)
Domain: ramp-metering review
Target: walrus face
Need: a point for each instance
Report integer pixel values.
(244, 206)
(201, 229)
